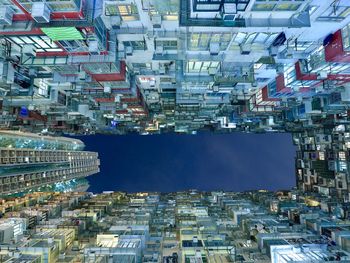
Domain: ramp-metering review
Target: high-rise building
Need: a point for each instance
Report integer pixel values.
(31, 162)
(153, 66)
(191, 226)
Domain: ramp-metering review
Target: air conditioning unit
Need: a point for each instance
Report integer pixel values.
(159, 50)
(6, 15)
(93, 47)
(41, 12)
(273, 51)
(215, 88)
(107, 89)
(146, 5)
(161, 70)
(28, 50)
(319, 89)
(322, 75)
(156, 21)
(245, 49)
(82, 75)
(214, 48)
(115, 21)
(229, 11)
(128, 51)
(117, 98)
(78, 88)
(212, 71)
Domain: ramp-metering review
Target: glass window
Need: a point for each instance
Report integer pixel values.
(275, 6)
(74, 45)
(167, 44)
(54, 5)
(201, 41)
(342, 166)
(136, 45)
(342, 156)
(201, 66)
(263, 7)
(287, 7)
(346, 37)
(111, 10)
(127, 12)
(41, 43)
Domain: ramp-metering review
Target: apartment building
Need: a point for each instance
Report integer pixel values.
(204, 230)
(30, 161)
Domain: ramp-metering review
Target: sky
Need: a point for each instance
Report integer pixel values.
(172, 162)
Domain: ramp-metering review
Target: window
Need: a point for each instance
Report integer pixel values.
(342, 156)
(287, 7)
(41, 43)
(167, 44)
(54, 5)
(342, 166)
(289, 75)
(263, 7)
(167, 9)
(43, 87)
(346, 37)
(60, 7)
(126, 12)
(215, 5)
(201, 41)
(74, 45)
(321, 156)
(98, 68)
(207, 5)
(136, 45)
(291, 6)
(111, 10)
(201, 67)
(139, 66)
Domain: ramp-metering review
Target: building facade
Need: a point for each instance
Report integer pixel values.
(190, 226)
(31, 162)
(153, 66)
(156, 66)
